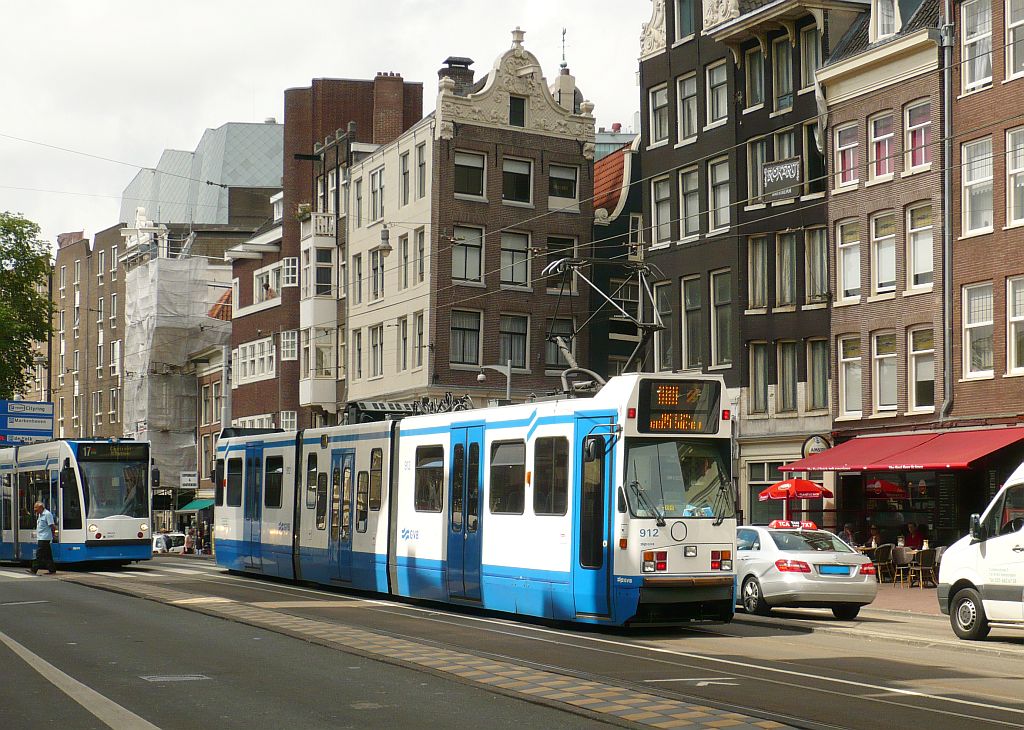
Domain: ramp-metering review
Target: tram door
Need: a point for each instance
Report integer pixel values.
(253, 512)
(464, 525)
(340, 549)
(591, 565)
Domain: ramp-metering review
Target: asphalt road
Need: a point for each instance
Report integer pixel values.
(854, 676)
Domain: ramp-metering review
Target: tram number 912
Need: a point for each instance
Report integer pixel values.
(649, 532)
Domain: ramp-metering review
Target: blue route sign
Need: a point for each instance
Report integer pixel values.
(25, 422)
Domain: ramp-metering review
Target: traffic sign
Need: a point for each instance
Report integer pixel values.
(25, 421)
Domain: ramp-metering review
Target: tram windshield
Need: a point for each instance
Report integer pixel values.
(673, 478)
(114, 488)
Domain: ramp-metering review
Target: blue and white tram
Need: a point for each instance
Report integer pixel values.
(615, 509)
(97, 490)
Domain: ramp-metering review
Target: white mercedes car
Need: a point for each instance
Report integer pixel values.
(796, 565)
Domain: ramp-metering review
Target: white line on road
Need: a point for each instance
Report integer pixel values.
(15, 574)
(181, 571)
(701, 682)
(21, 603)
(103, 708)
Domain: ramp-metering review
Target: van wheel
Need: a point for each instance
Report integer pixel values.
(753, 599)
(845, 612)
(967, 615)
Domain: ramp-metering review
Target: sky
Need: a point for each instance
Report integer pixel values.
(122, 81)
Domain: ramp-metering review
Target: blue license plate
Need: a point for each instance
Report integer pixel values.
(834, 569)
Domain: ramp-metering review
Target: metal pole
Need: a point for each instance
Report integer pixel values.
(508, 380)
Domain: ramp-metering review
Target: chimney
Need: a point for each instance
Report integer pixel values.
(66, 239)
(457, 68)
(564, 90)
(270, 120)
(617, 127)
(388, 105)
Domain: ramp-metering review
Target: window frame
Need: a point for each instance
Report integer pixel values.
(687, 120)
(967, 184)
(779, 98)
(843, 249)
(911, 253)
(560, 482)
(506, 181)
(1015, 170)
(755, 179)
(1012, 46)
(463, 333)
(878, 361)
(469, 250)
(711, 89)
(757, 281)
(713, 187)
(786, 389)
(495, 480)
(816, 267)
(840, 150)
(661, 230)
(846, 364)
(661, 294)
(877, 242)
(968, 372)
(757, 392)
(806, 74)
(750, 81)
(658, 115)
(720, 309)
(793, 269)
(913, 355)
(689, 197)
(812, 386)
(562, 199)
(518, 258)
(511, 336)
(881, 142)
(692, 325)
(1014, 324)
(967, 42)
(465, 155)
(910, 131)
(679, 7)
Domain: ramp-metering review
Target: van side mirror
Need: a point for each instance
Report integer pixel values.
(977, 530)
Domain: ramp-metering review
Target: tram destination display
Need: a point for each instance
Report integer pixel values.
(113, 452)
(678, 406)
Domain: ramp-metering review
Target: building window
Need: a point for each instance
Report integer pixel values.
(882, 135)
(785, 395)
(112, 414)
(377, 194)
(517, 187)
(1014, 38)
(718, 193)
(357, 278)
(256, 361)
(419, 340)
(977, 337)
(758, 263)
(1015, 324)
(663, 338)
(817, 375)
(560, 248)
(359, 203)
(849, 376)
(376, 351)
(289, 420)
(684, 19)
(755, 77)
(626, 294)
(376, 275)
(885, 18)
(403, 246)
(403, 165)
(785, 144)
(421, 254)
(689, 196)
(266, 284)
(758, 377)
(421, 169)
(883, 253)
(324, 272)
(1015, 173)
(516, 111)
(847, 157)
(814, 161)
(810, 55)
(761, 475)
(718, 93)
(659, 114)
(515, 259)
(849, 259)
(816, 254)
(921, 253)
(757, 155)
(101, 267)
(469, 174)
(290, 271)
(721, 318)
(785, 270)
(884, 374)
(692, 325)
(922, 370)
(782, 72)
(357, 354)
(976, 21)
(512, 338)
(919, 135)
(465, 338)
(467, 254)
(562, 182)
(403, 344)
(976, 197)
(553, 356)
(662, 209)
(686, 94)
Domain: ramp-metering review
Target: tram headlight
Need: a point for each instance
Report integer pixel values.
(143, 527)
(93, 528)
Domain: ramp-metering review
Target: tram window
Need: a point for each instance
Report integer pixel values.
(336, 504)
(362, 490)
(429, 478)
(311, 481)
(321, 501)
(473, 488)
(72, 503)
(5, 500)
(376, 477)
(458, 472)
(234, 496)
(346, 509)
(592, 514)
(551, 476)
(508, 477)
(218, 478)
(272, 480)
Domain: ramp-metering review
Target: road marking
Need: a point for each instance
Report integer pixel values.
(103, 708)
(173, 677)
(304, 604)
(16, 575)
(700, 682)
(111, 574)
(22, 603)
(201, 599)
(181, 571)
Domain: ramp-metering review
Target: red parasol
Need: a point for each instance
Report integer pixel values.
(790, 489)
(883, 488)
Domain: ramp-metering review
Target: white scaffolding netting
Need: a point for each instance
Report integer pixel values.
(166, 317)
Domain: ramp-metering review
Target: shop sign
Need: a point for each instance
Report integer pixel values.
(815, 445)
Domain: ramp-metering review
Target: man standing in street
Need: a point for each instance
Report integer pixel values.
(46, 530)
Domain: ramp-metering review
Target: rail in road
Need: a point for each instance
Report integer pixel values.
(743, 675)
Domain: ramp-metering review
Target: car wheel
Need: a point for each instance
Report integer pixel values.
(753, 599)
(845, 612)
(967, 615)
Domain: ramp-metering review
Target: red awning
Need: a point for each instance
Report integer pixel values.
(915, 451)
(952, 450)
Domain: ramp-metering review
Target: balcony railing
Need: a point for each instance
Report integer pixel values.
(318, 224)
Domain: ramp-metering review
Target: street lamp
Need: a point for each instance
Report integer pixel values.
(505, 370)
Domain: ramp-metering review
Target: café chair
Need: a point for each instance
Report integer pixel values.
(923, 568)
(883, 563)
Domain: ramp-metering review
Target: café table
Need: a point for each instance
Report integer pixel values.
(903, 557)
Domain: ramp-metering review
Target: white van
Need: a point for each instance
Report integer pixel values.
(981, 576)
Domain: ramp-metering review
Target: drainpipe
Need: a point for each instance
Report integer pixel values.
(946, 39)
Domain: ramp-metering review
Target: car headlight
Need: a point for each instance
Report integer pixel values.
(143, 527)
(93, 528)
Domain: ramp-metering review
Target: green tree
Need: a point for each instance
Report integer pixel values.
(25, 314)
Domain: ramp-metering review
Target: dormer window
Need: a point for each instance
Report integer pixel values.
(885, 18)
(517, 111)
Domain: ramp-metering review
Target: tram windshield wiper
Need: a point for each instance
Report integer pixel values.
(643, 499)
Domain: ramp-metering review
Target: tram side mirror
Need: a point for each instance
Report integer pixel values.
(593, 449)
(621, 502)
(977, 531)
(155, 477)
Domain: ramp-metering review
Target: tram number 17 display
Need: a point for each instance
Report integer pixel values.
(678, 406)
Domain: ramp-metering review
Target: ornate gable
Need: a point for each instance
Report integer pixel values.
(654, 36)
(515, 73)
(719, 11)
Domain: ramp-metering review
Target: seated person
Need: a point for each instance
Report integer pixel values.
(875, 538)
(914, 538)
(848, 535)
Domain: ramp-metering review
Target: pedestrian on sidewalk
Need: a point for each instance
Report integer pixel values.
(46, 533)
(190, 541)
